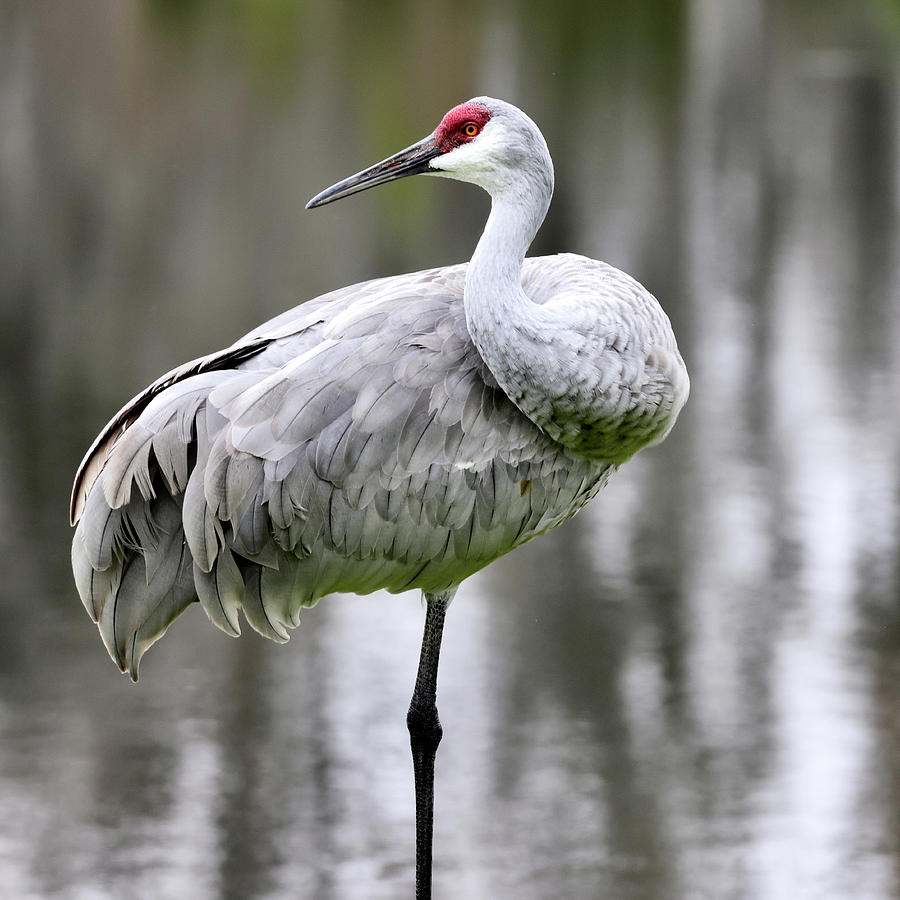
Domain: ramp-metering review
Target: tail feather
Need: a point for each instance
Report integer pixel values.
(176, 600)
(100, 529)
(221, 591)
(172, 457)
(261, 609)
(128, 465)
(163, 545)
(94, 585)
(152, 591)
(202, 529)
(251, 535)
(115, 616)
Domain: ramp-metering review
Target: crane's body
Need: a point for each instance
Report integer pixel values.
(356, 442)
(400, 433)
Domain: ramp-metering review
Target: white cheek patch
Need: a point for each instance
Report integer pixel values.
(475, 162)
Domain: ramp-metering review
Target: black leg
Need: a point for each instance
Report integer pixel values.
(425, 734)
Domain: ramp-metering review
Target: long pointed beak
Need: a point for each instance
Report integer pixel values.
(411, 161)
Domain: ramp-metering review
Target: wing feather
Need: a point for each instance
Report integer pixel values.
(98, 453)
(220, 592)
(355, 443)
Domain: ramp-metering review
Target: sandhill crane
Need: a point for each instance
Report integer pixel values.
(400, 433)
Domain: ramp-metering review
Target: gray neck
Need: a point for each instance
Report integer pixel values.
(509, 330)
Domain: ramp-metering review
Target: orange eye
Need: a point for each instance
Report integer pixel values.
(470, 129)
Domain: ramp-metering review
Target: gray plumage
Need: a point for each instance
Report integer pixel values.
(389, 435)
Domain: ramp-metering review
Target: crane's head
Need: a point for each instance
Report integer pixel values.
(483, 141)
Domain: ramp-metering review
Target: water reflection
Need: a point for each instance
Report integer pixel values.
(691, 690)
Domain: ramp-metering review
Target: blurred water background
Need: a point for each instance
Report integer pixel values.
(690, 691)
